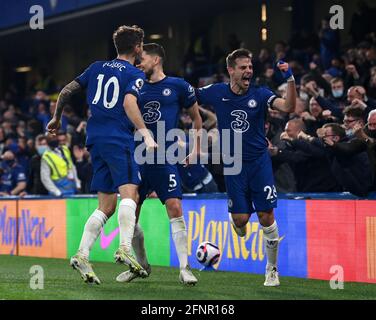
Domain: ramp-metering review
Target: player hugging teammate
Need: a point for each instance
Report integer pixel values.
(116, 93)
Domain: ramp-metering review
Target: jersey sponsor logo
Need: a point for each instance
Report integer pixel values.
(252, 103)
(152, 113)
(166, 92)
(240, 124)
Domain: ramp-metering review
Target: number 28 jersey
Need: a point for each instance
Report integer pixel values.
(107, 83)
(242, 114)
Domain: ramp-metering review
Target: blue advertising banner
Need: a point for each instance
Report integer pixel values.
(207, 220)
(13, 13)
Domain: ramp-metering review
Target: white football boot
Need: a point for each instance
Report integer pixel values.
(186, 276)
(85, 269)
(271, 277)
(121, 256)
(128, 276)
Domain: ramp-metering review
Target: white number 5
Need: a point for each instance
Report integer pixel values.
(172, 181)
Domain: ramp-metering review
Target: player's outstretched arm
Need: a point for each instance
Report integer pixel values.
(287, 104)
(133, 112)
(64, 97)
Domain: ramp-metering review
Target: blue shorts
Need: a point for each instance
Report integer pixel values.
(253, 189)
(113, 166)
(164, 179)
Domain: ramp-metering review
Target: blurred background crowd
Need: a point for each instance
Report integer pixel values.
(327, 145)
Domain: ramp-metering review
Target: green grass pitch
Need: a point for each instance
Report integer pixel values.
(62, 282)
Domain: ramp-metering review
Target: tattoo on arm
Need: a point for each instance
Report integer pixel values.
(64, 97)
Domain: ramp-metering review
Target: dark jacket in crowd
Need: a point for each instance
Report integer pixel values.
(310, 166)
(34, 182)
(352, 166)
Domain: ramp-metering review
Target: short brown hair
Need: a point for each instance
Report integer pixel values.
(336, 129)
(156, 50)
(238, 53)
(40, 137)
(126, 38)
(335, 80)
(354, 111)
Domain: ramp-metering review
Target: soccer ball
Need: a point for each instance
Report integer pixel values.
(207, 253)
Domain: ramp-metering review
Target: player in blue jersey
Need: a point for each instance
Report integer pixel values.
(241, 109)
(161, 100)
(112, 91)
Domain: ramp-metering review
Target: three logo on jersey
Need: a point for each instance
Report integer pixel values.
(240, 124)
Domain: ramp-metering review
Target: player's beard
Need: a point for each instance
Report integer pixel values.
(148, 73)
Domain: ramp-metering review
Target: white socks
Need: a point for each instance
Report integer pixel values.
(138, 246)
(127, 221)
(271, 240)
(91, 232)
(179, 235)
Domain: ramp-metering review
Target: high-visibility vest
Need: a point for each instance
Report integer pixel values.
(59, 166)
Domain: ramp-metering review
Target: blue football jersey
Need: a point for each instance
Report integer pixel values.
(107, 83)
(163, 101)
(242, 114)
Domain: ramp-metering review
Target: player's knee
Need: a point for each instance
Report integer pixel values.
(240, 220)
(173, 207)
(266, 218)
(108, 209)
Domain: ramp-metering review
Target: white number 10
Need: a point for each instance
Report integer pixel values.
(107, 104)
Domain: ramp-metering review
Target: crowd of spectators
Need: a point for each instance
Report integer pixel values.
(327, 145)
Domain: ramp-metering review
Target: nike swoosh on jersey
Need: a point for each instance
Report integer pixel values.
(224, 99)
(107, 239)
(170, 190)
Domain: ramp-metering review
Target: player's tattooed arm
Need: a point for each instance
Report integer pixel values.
(64, 97)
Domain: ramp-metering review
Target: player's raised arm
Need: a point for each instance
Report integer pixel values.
(64, 97)
(287, 104)
(133, 112)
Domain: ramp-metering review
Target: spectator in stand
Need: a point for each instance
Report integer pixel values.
(329, 43)
(316, 117)
(58, 173)
(309, 164)
(83, 166)
(13, 177)
(35, 185)
(337, 100)
(357, 96)
(351, 164)
(353, 116)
